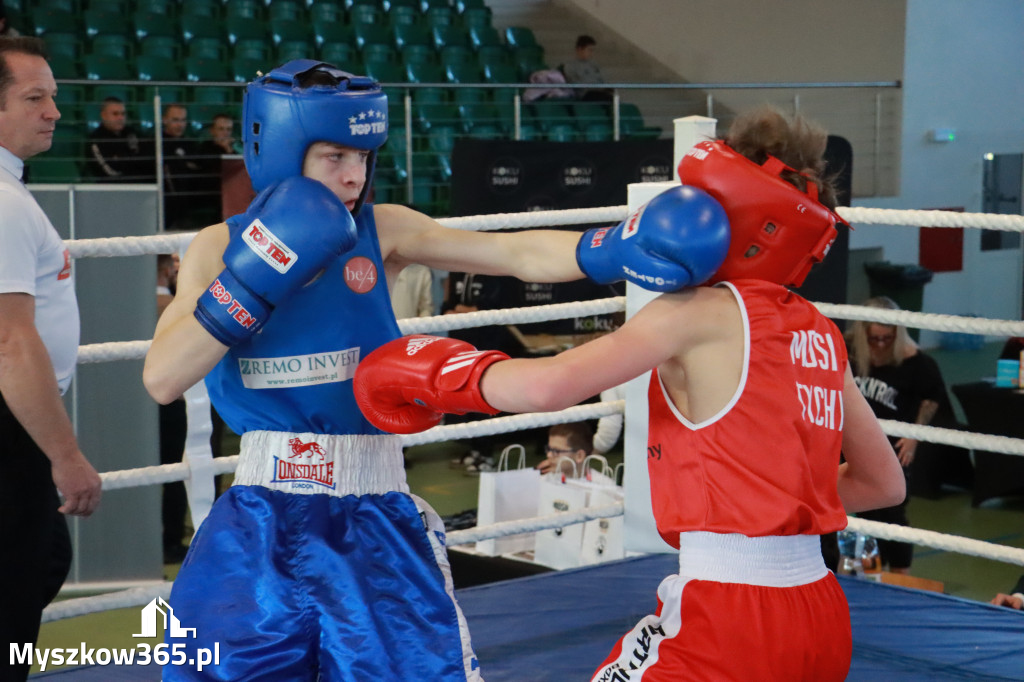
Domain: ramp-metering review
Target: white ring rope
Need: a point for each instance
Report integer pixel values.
(136, 350)
(926, 538)
(171, 243)
(897, 216)
(167, 243)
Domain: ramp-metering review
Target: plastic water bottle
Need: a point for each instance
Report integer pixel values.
(870, 560)
(849, 563)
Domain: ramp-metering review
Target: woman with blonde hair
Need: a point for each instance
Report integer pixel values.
(902, 383)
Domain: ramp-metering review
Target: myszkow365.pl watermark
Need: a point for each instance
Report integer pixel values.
(141, 654)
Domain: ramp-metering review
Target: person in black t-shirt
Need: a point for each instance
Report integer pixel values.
(900, 383)
(115, 153)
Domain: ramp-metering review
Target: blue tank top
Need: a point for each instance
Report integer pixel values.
(295, 375)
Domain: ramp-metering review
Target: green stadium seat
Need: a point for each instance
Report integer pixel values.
(366, 14)
(149, 24)
(549, 114)
(98, 22)
(441, 15)
(243, 9)
(167, 47)
(424, 72)
(334, 33)
(591, 113)
(70, 101)
(411, 34)
(197, 26)
(561, 132)
(111, 6)
(156, 68)
(61, 164)
(474, 115)
(431, 107)
(56, 21)
(385, 72)
(166, 8)
(244, 69)
(391, 5)
(207, 48)
(106, 67)
(201, 8)
(449, 35)
(324, 14)
(112, 45)
(67, 67)
(462, 73)
(519, 36)
(245, 28)
(477, 17)
(481, 36)
(457, 54)
(63, 44)
(419, 54)
(501, 73)
(206, 70)
(598, 132)
(254, 49)
(462, 96)
(404, 15)
(289, 30)
(287, 50)
(427, 5)
(461, 6)
(367, 34)
(379, 52)
(286, 10)
(493, 54)
(338, 53)
(631, 123)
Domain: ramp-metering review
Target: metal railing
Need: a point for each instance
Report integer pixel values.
(426, 118)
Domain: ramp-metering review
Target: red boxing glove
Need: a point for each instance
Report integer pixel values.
(408, 384)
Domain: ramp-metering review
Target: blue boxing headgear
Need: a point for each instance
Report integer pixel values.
(281, 119)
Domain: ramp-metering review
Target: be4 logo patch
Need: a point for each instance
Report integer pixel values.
(360, 274)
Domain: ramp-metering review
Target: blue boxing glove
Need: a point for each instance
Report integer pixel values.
(293, 230)
(677, 239)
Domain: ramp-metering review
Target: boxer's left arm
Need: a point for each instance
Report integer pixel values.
(183, 352)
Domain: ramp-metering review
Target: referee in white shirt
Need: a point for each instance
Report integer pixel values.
(39, 331)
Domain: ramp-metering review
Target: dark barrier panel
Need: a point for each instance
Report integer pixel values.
(504, 176)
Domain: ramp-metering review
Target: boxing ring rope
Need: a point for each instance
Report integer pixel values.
(154, 475)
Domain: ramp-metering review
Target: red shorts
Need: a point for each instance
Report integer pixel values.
(775, 613)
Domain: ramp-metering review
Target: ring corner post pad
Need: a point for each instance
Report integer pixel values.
(688, 131)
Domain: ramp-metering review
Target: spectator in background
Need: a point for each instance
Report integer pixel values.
(115, 153)
(173, 429)
(6, 29)
(902, 383)
(1014, 600)
(220, 141)
(413, 292)
(583, 69)
(182, 170)
(574, 441)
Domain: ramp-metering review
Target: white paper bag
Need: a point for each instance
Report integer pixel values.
(602, 538)
(506, 495)
(559, 547)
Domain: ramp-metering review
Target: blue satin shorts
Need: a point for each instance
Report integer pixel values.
(306, 587)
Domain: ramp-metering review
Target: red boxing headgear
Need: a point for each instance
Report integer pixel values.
(778, 232)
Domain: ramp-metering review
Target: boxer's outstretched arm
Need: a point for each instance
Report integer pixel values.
(871, 477)
(407, 236)
(183, 352)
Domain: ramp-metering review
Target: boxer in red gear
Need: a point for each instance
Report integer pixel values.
(751, 402)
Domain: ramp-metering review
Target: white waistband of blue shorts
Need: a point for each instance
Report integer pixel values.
(773, 561)
(313, 463)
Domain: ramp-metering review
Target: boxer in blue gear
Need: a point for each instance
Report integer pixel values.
(318, 563)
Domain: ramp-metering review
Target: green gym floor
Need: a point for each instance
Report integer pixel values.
(449, 490)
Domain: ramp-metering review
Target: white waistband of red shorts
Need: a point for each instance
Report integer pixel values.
(313, 463)
(773, 561)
